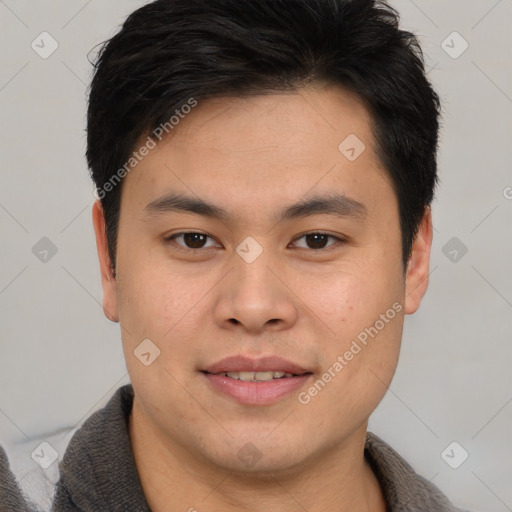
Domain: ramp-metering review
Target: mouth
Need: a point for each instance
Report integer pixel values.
(255, 381)
(258, 376)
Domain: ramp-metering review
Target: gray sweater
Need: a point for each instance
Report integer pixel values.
(98, 472)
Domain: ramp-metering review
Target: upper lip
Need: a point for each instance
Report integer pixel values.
(263, 364)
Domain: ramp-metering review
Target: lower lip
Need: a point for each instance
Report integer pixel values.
(256, 392)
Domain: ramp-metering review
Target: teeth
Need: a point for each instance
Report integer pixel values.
(264, 375)
(256, 376)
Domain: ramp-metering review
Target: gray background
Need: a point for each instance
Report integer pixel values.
(61, 359)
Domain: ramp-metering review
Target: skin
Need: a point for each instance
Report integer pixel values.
(254, 156)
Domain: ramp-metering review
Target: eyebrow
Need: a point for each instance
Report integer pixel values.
(330, 204)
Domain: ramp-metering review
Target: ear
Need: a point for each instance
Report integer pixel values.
(416, 281)
(107, 277)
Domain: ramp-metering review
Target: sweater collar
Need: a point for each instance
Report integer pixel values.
(404, 490)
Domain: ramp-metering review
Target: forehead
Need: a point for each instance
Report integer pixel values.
(253, 122)
(235, 149)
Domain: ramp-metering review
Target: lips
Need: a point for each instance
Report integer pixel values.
(264, 364)
(256, 381)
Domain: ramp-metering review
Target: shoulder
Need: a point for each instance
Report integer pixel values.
(404, 490)
(98, 469)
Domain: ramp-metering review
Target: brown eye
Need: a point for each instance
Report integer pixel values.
(191, 240)
(194, 240)
(317, 241)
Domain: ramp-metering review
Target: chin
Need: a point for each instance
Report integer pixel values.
(255, 464)
(258, 455)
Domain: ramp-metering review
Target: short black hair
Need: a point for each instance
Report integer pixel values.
(170, 52)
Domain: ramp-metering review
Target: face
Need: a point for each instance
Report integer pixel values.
(296, 269)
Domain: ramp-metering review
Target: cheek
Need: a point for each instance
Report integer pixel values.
(153, 294)
(358, 366)
(365, 311)
(159, 302)
(352, 300)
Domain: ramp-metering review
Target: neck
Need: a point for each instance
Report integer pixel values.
(172, 478)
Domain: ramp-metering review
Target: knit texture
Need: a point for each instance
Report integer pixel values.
(98, 471)
(404, 490)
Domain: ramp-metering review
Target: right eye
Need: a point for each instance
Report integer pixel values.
(192, 240)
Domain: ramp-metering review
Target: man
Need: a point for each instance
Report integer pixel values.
(264, 171)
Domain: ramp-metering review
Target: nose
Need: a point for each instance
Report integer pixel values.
(254, 297)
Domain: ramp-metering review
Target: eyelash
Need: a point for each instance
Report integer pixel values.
(172, 238)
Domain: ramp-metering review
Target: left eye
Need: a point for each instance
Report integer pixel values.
(318, 240)
(195, 241)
